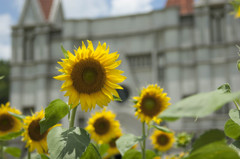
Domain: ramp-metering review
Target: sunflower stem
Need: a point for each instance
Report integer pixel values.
(1, 149)
(144, 141)
(29, 154)
(72, 118)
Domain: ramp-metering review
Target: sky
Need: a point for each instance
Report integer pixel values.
(10, 11)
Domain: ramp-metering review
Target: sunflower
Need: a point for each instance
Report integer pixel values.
(32, 135)
(9, 123)
(91, 76)
(162, 141)
(102, 126)
(151, 102)
(113, 150)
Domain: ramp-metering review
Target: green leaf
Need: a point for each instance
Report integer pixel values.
(235, 115)
(64, 52)
(232, 129)
(208, 137)
(14, 151)
(150, 154)
(169, 119)
(55, 111)
(225, 88)
(126, 142)
(199, 105)
(132, 154)
(117, 99)
(18, 116)
(238, 65)
(43, 156)
(91, 152)
(236, 146)
(103, 149)
(2, 77)
(11, 135)
(214, 150)
(161, 128)
(67, 143)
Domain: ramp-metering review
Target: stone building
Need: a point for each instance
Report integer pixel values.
(187, 47)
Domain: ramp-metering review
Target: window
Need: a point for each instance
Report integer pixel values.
(28, 48)
(28, 110)
(187, 20)
(123, 93)
(139, 61)
(161, 67)
(217, 23)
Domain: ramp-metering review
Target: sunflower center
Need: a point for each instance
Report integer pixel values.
(150, 106)
(6, 122)
(34, 131)
(112, 143)
(88, 76)
(101, 126)
(162, 139)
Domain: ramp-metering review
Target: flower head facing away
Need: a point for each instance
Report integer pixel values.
(90, 76)
(151, 102)
(9, 123)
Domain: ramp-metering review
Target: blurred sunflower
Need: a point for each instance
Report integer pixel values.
(162, 141)
(9, 123)
(151, 102)
(32, 135)
(112, 144)
(102, 126)
(91, 76)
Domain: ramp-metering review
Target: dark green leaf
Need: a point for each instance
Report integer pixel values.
(235, 115)
(117, 99)
(132, 154)
(208, 137)
(214, 150)
(14, 151)
(64, 52)
(18, 116)
(55, 111)
(161, 128)
(150, 154)
(103, 149)
(11, 136)
(67, 144)
(91, 153)
(232, 129)
(126, 142)
(199, 105)
(236, 145)
(225, 88)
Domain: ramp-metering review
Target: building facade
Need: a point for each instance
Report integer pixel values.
(186, 48)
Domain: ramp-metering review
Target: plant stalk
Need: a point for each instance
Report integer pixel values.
(236, 105)
(1, 149)
(29, 154)
(144, 141)
(72, 118)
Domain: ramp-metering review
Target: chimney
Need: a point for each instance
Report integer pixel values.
(46, 6)
(186, 6)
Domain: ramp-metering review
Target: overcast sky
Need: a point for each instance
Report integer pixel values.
(10, 11)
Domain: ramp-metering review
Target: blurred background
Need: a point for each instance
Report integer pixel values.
(185, 46)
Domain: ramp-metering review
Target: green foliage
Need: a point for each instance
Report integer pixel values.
(117, 99)
(91, 152)
(103, 149)
(64, 52)
(183, 139)
(208, 137)
(238, 65)
(199, 105)
(150, 154)
(67, 143)
(135, 154)
(14, 151)
(225, 88)
(55, 111)
(11, 135)
(126, 142)
(5, 81)
(161, 128)
(18, 116)
(236, 145)
(235, 115)
(37, 156)
(232, 129)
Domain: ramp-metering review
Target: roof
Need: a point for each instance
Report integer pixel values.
(186, 6)
(46, 7)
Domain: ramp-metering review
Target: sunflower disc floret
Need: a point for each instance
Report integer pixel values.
(151, 102)
(103, 127)
(90, 76)
(9, 123)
